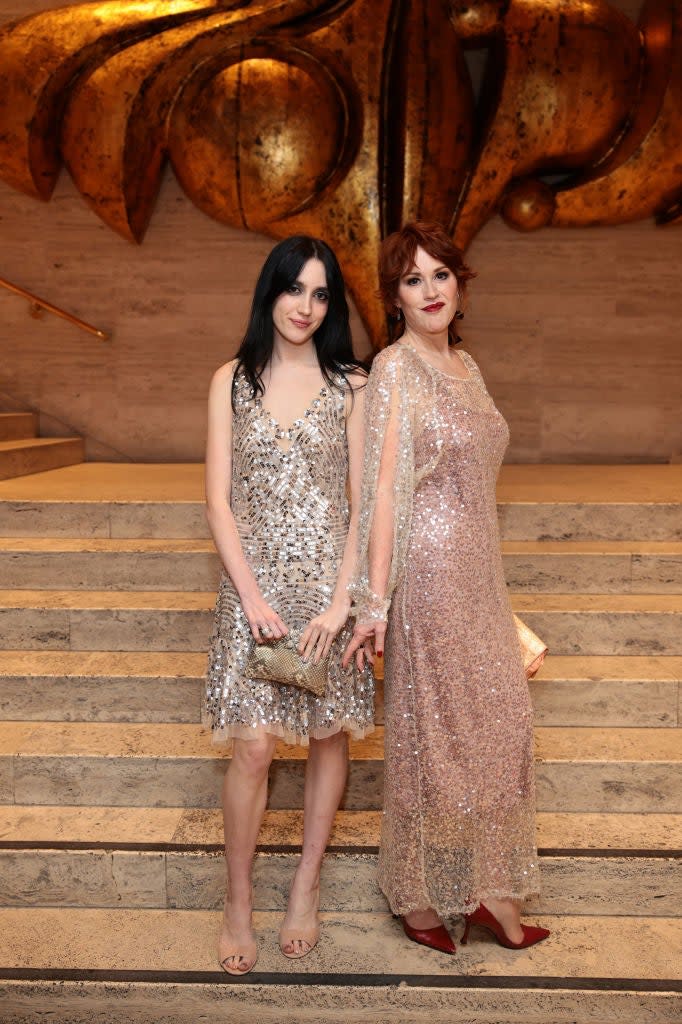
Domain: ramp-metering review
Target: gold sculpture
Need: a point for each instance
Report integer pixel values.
(568, 76)
(346, 117)
(643, 176)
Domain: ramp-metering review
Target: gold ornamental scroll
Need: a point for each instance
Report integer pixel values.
(562, 77)
(644, 176)
(42, 54)
(115, 124)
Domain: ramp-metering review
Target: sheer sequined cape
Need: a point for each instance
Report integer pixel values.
(459, 800)
(288, 497)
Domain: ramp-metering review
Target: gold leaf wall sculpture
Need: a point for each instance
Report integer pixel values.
(643, 177)
(567, 76)
(42, 55)
(344, 118)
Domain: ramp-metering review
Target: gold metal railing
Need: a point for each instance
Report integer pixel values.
(38, 304)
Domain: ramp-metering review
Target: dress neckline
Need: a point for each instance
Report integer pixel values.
(288, 433)
(442, 373)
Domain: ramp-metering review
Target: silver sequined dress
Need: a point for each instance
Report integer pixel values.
(459, 800)
(288, 497)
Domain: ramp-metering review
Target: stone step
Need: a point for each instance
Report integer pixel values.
(597, 624)
(148, 863)
(17, 425)
(149, 686)
(85, 965)
(593, 567)
(534, 502)
(37, 454)
(106, 686)
(189, 828)
(579, 769)
(94, 563)
(600, 567)
(585, 624)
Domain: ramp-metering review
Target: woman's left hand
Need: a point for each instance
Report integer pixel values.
(319, 634)
(366, 644)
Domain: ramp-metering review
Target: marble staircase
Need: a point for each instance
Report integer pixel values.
(111, 873)
(23, 452)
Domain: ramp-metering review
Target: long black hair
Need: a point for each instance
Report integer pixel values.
(332, 339)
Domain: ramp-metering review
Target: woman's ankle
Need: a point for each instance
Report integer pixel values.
(306, 880)
(240, 905)
(423, 919)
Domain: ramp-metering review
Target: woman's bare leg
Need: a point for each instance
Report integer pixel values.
(325, 781)
(245, 791)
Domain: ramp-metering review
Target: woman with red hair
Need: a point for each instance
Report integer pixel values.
(458, 830)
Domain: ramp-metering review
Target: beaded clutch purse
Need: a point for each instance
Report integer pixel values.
(533, 649)
(280, 662)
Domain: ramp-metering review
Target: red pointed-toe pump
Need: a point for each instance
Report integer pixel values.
(435, 938)
(484, 919)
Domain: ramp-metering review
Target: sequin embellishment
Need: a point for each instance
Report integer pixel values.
(459, 794)
(289, 502)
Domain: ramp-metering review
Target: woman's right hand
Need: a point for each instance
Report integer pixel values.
(366, 642)
(264, 621)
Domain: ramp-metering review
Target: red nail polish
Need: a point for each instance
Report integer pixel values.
(380, 654)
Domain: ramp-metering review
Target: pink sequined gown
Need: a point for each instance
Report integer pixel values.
(459, 800)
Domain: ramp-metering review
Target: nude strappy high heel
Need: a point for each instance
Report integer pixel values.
(308, 937)
(243, 954)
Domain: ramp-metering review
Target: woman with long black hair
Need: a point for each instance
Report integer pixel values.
(285, 436)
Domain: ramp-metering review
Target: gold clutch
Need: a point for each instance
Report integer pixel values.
(280, 662)
(533, 649)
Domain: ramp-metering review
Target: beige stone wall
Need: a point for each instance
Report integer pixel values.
(578, 332)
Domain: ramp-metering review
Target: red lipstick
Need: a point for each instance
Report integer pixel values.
(433, 308)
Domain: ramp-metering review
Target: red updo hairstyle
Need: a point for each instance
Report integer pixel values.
(396, 256)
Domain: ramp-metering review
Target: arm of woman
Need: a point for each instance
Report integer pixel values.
(380, 507)
(320, 632)
(219, 514)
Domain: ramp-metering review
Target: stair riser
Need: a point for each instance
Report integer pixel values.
(602, 886)
(74, 570)
(130, 629)
(608, 632)
(197, 571)
(103, 519)
(641, 703)
(165, 1002)
(522, 521)
(195, 782)
(535, 521)
(38, 459)
(18, 425)
(594, 574)
(100, 699)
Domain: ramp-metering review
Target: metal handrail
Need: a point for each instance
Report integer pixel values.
(38, 304)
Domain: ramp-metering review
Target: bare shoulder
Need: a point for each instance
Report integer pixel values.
(225, 373)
